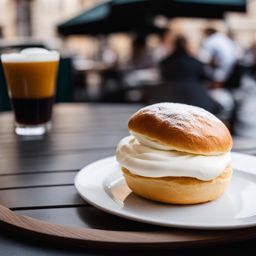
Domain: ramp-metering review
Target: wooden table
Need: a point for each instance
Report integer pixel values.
(36, 177)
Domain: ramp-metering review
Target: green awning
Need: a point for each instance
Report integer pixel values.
(96, 13)
(130, 15)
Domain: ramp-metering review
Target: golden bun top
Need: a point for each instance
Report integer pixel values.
(183, 128)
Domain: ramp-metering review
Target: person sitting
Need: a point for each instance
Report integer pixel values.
(184, 74)
(164, 47)
(141, 57)
(181, 65)
(219, 52)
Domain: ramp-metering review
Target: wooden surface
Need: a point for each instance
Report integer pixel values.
(36, 180)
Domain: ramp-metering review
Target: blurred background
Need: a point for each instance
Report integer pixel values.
(199, 52)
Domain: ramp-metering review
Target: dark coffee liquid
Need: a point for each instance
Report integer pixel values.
(32, 111)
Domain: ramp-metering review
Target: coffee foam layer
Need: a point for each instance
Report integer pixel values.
(31, 55)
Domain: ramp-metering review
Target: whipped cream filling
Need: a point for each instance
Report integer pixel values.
(146, 159)
(151, 143)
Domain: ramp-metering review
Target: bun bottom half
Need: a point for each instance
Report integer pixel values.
(178, 190)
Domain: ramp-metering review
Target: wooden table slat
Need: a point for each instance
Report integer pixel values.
(89, 217)
(60, 196)
(36, 180)
(60, 143)
(65, 161)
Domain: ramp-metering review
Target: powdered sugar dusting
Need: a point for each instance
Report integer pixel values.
(183, 117)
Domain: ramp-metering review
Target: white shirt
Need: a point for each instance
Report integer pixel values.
(224, 52)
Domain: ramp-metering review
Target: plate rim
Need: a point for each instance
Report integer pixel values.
(152, 222)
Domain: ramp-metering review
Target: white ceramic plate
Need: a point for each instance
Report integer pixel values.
(102, 185)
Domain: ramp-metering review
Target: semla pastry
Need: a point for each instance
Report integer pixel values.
(176, 154)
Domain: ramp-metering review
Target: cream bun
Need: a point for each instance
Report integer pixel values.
(176, 154)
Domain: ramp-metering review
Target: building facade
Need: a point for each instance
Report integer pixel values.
(37, 19)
